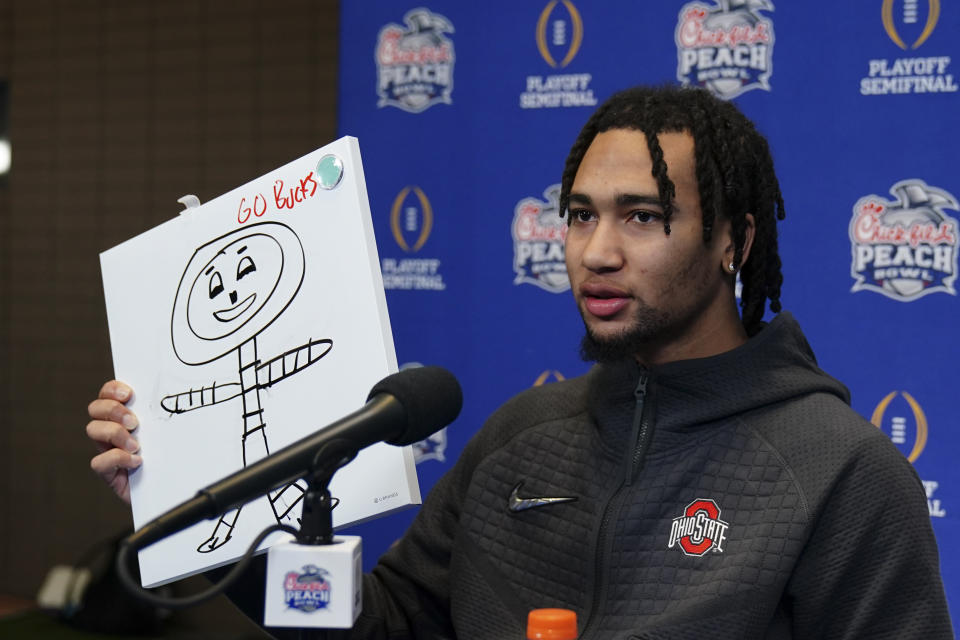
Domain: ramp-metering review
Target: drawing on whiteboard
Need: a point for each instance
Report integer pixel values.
(232, 289)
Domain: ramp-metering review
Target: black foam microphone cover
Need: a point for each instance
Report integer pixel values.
(430, 396)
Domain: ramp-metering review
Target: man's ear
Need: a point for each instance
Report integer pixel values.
(730, 250)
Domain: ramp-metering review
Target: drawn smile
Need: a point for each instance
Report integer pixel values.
(226, 315)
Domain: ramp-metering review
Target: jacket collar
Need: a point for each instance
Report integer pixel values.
(774, 366)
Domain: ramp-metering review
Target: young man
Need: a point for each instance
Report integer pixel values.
(706, 478)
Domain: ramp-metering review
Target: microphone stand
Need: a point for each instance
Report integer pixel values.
(316, 521)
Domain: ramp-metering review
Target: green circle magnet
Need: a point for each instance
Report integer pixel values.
(329, 171)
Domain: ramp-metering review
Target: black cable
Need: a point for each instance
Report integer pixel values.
(86, 561)
(316, 528)
(123, 569)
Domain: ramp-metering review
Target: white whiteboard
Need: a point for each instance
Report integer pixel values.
(243, 325)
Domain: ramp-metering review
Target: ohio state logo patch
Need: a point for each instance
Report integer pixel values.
(699, 529)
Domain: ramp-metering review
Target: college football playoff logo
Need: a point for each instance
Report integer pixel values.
(558, 34)
(911, 15)
(898, 427)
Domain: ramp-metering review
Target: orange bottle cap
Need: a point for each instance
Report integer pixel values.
(552, 624)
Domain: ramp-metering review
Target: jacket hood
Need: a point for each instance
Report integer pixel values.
(774, 366)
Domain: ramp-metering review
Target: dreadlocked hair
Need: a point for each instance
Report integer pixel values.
(735, 176)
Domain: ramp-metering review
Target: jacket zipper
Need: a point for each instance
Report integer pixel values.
(640, 433)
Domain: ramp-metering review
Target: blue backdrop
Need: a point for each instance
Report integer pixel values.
(466, 111)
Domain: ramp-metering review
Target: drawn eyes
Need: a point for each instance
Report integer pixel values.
(216, 285)
(246, 266)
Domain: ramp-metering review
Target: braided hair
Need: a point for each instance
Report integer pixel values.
(734, 170)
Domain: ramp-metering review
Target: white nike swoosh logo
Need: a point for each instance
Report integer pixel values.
(516, 504)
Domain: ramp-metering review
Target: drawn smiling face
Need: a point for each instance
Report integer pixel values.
(233, 288)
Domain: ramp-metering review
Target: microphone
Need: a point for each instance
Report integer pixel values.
(401, 409)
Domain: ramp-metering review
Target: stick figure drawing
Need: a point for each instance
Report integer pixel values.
(232, 289)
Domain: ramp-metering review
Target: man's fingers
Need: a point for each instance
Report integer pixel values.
(110, 435)
(112, 411)
(114, 466)
(115, 390)
(108, 463)
(110, 429)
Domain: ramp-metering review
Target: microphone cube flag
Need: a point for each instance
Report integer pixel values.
(314, 586)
